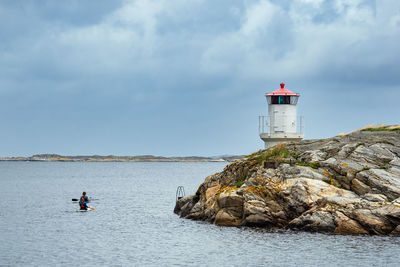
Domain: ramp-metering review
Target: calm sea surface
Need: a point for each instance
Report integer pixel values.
(133, 223)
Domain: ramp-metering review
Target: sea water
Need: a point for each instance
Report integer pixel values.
(133, 223)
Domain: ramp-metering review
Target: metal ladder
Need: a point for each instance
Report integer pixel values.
(180, 192)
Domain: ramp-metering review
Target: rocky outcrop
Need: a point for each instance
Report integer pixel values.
(346, 184)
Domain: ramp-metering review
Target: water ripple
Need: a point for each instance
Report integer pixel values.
(133, 223)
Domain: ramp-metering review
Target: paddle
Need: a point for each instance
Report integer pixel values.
(90, 199)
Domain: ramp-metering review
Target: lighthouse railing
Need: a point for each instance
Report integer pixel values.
(264, 124)
(300, 125)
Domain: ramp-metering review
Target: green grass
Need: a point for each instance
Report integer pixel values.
(365, 168)
(275, 153)
(314, 165)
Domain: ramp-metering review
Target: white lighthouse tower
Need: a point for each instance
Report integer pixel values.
(281, 123)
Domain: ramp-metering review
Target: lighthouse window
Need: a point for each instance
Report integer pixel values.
(281, 99)
(293, 100)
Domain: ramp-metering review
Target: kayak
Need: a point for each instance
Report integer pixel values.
(88, 209)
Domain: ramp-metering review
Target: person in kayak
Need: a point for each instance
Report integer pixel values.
(83, 200)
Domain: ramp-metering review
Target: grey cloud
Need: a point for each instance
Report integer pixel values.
(190, 66)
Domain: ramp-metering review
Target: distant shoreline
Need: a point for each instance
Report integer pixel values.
(111, 158)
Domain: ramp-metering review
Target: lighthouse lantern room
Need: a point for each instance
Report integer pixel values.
(281, 124)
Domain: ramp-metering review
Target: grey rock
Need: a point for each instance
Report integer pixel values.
(318, 221)
(184, 205)
(354, 188)
(396, 231)
(312, 156)
(385, 182)
(375, 197)
(346, 150)
(230, 199)
(359, 187)
(345, 225)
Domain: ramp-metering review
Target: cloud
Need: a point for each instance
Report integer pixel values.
(174, 62)
(273, 41)
(268, 40)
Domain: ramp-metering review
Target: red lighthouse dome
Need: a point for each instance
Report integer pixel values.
(282, 91)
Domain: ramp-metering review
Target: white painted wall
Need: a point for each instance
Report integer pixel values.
(282, 118)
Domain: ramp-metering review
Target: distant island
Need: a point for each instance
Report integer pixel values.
(111, 158)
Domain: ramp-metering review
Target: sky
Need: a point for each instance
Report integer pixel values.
(181, 78)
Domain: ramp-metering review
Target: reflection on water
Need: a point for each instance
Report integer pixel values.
(133, 223)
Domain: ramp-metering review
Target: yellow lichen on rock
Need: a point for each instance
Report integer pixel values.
(211, 191)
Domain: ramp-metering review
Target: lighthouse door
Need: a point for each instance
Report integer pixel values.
(279, 121)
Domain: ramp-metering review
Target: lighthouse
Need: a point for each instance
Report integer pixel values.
(281, 124)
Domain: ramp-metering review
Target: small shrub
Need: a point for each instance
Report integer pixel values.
(238, 184)
(328, 181)
(389, 199)
(332, 181)
(381, 129)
